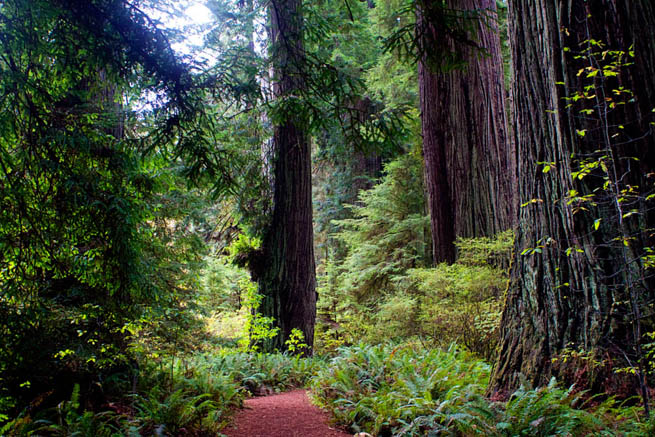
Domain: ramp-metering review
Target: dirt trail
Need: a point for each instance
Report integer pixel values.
(287, 414)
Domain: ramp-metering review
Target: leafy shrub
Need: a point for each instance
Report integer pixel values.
(441, 305)
(380, 389)
(65, 419)
(455, 303)
(388, 234)
(548, 410)
(381, 289)
(461, 302)
(184, 395)
(545, 411)
(411, 391)
(256, 371)
(178, 411)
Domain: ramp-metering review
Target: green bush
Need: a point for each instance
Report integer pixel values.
(388, 234)
(185, 395)
(381, 389)
(408, 390)
(453, 303)
(449, 303)
(258, 371)
(380, 287)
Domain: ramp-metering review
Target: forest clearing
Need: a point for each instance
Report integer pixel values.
(327, 218)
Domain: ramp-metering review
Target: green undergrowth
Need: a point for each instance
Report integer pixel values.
(410, 391)
(190, 396)
(258, 372)
(385, 390)
(382, 389)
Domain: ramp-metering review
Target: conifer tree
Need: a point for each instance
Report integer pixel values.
(287, 277)
(469, 164)
(581, 280)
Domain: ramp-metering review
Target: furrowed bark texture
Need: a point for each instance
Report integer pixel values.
(574, 283)
(288, 280)
(470, 165)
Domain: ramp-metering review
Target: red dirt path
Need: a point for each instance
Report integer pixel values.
(283, 415)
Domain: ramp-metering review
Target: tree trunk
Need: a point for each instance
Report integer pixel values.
(578, 282)
(366, 164)
(288, 279)
(469, 162)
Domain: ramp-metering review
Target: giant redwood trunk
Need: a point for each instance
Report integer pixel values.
(579, 286)
(288, 279)
(469, 162)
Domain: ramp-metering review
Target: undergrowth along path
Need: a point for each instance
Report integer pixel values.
(287, 414)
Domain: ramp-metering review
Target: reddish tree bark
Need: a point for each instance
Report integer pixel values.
(469, 162)
(574, 283)
(288, 278)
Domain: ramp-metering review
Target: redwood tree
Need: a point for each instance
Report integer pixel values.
(468, 159)
(287, 278)
(580, 284)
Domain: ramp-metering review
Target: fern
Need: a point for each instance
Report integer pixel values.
(410, 391)
(382, 389)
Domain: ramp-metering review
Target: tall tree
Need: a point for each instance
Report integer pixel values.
(69, 237)
(74, 223)
(583, 116)
(287, 277)
(469, 165)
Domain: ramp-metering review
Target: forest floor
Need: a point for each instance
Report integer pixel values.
(287, 414)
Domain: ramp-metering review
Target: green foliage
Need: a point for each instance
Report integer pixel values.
(259, 328)
(486, 251)
(97, 243)
(410, 391)
(388, 235)
(547, 411)
(296, 343)
(551, 410)
(180, 222)
(382, 289)
(71, 422)
(188, 395)
(380, 389)
(257, 371)
(457, 303)
(180, 410)
(344, 166)
(223, 285)
(71, 201)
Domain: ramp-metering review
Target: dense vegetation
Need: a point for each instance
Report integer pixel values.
(436, 215)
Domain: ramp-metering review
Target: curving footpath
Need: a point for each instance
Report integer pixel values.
(287, 414)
